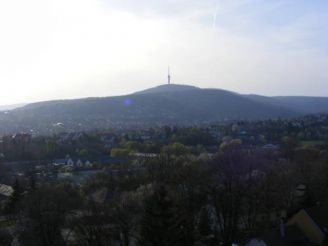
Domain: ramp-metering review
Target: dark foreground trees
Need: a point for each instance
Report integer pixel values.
(176, 198)
(44, 214)
(160, 224)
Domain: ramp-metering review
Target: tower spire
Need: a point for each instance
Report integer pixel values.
(168, 76)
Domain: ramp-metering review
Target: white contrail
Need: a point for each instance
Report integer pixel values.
(215, 14)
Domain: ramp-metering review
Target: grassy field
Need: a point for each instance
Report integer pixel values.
(311, 143)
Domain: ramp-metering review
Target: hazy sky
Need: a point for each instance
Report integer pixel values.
(79, 48)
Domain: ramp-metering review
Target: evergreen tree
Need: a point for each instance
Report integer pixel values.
(160, 225)
(204, 225)
(32, 182)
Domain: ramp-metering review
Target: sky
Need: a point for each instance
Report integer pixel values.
(65, 49)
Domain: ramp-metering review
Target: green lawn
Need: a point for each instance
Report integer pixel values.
(7, 223)
(310, 143)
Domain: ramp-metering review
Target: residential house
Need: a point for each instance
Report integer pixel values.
(308, 227)
(313, 223)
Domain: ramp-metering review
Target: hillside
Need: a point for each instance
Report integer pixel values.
(307, 105)
(165, 104)
(301, 104)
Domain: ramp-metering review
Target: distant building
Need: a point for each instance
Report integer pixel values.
(70, 162)
(270, 147)
(145, 155)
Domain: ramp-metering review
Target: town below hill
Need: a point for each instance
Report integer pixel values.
(265, 181)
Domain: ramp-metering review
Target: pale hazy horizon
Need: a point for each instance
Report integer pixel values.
(68, 49)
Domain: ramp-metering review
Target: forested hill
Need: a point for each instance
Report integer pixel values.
(301, 104)
(165, 104)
